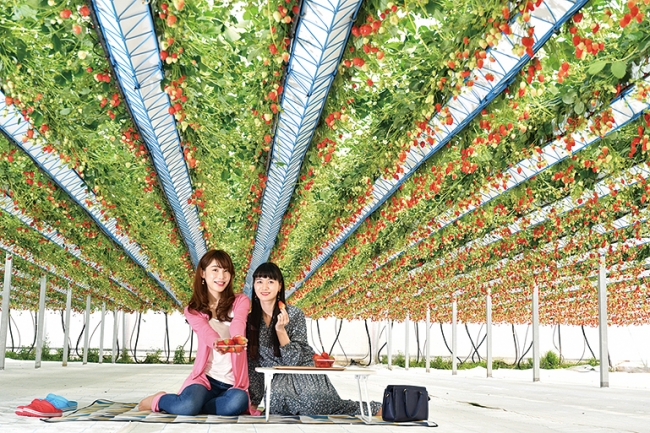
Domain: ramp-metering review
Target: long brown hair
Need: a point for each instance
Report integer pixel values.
(271, 271)
(199, 301)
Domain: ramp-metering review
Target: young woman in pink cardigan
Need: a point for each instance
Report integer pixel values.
(218, 384)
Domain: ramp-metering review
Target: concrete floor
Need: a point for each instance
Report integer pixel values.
(563, 401)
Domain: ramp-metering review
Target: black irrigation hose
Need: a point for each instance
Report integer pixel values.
(445, 340)
(587, 341)
(524, 354)
(76, 349)
(135, 348)
(475, 349)
(347, 360)
(167, 338)
(322, 348)
(369, 343)
(514, 338)
(337, 335)
(11, 334)
(191, 343)
(35, 330)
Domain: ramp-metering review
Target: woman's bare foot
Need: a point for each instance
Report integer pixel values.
(145, 404)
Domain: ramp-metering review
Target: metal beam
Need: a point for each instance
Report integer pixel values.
(68, 180)
(66, 336)
(407, 352)
(488, 326)
(602, 322)
(321, 34)
(6, 297)
(101, 334)
(503, 64)
(114, 354)
(428, 353)
(131, 43)
(87, 333)
(41, 322)
(454, 320)
(536, 354)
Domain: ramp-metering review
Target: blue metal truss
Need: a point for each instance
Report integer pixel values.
(51, 234)
(503, 64)
(15, 128)
(127, 27)
(321, 35)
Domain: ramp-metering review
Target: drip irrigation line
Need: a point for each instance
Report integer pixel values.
(447, 345)
(347, 360)
(322, 348)
(514, 339)
(63, 327)
(11, 334)
(135, 349)
(337, 334)
(380, 349)
(311, 330)
(587, 341)
(524, 354)
(369, 343)
(475, 349)
(76, 348)
(559, 339)
(167, 338)
(191, 343)
(31, 314)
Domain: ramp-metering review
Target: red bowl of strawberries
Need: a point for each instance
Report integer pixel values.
(323, 360)
(236, 344)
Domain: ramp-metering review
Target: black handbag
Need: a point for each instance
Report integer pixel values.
(405, 403)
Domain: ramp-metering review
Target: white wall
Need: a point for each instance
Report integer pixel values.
(626, 344)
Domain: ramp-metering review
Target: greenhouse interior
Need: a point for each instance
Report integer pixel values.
(302, 203)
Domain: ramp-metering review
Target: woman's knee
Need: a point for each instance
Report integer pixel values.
(235, 402)
(189, 402)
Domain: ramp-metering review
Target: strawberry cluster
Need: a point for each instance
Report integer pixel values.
(236, 344)
(323, 360)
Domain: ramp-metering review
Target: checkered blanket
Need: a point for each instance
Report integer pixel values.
(105, 410)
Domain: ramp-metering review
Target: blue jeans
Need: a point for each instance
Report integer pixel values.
(222, 399)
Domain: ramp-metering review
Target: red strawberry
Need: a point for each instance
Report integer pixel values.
(281, 305)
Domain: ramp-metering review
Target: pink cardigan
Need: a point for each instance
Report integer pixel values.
(207, 336)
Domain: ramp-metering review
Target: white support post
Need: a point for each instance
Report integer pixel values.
(454, 319)
(602, 322)
(115, 355)
(101, 334)
(536, 354)
(87, 333)
(124, 345)
(41, 323)
(428, 325)
(66, 336)
(407, 353)
(6, 296)
(488, 321)
(389, 344)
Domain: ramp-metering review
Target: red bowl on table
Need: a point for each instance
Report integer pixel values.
(324, 363)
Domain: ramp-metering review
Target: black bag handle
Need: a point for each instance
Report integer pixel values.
(415, 407)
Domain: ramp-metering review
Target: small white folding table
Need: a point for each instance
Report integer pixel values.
(361, 374)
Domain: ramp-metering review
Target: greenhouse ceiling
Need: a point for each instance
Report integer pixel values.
(391, 157)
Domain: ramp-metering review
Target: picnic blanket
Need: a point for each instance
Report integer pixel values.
(106, 410)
